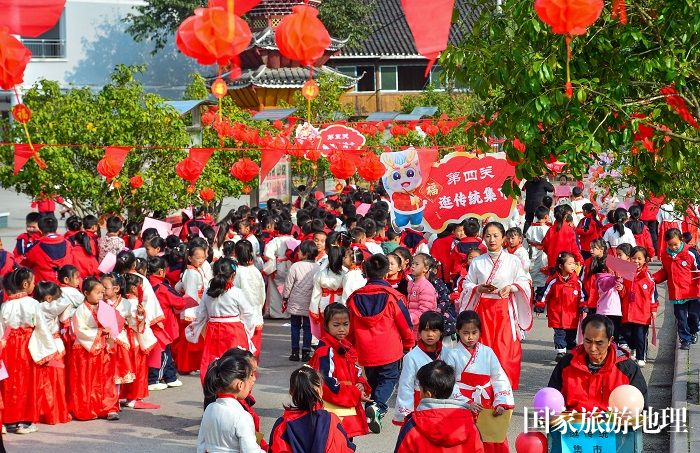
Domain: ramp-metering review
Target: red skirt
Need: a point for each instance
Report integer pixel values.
(92, 391)
(257, 342)
(137, 389)
(496, 448)
(188, 356)
(124, 369)
(497, 334)
(20, 390)
(221, 336)
(53, 406)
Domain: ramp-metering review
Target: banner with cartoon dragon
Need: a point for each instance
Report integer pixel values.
(426, 195)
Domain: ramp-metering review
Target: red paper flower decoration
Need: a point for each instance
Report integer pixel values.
(343, 168)
(213, 35)
(207, 194)
(245, 170)
(13, 60)
(21, 113)
(136, 182)
(301, 36)
(189, 169)
(371, 168)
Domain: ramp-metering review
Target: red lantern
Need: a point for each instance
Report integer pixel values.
(310, 90)
(13, 60)
(301, 36)
(207, 194)
(213, 35)
(569, 18)
(112, 162)
(371, 168)
(343, 168)
(21, 113)
(219, 88)
(136, 182)
(313, 154)
(30, 18)
(245, 170)
(190, 168)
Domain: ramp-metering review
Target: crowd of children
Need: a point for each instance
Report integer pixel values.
(81, 341)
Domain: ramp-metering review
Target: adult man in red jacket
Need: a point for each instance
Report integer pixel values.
(439, 424)
(588, 374)
(49, 253)
(381, 330)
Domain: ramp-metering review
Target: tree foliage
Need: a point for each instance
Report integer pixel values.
(455, 104)
(345, 19)
(121, 113)
(516, 66)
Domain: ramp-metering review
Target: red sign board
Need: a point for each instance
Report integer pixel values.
(463, 185)
(339, 137)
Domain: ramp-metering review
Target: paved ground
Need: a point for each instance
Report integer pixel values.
(174, 427)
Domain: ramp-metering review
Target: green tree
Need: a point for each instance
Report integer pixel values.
(157, 20)
(119, 114)
(516, 66)
(455, 104)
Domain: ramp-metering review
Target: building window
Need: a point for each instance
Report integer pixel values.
(436, 78)
(389, 78)
(51, 44)
(412, 78)
(366, 83)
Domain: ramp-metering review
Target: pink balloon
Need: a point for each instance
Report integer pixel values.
(626, 397)
(548, 400)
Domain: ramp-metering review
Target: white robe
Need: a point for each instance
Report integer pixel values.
(257, 258)
(325, 279)
(535, 234)
(249, 280)
(232, 305)
(26, 312)
(59, 309)
(352, 281)
(486, 363)
(408, 384)
(194, 283)
(277, 264)
(227, 428)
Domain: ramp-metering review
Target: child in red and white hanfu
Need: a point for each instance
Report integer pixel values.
(481, 380)
(92, 391)
(124, 370)
(28, 345)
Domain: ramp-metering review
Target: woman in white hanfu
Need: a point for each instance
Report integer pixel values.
(499, 290)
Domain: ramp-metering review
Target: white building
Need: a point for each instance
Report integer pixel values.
(90, 40)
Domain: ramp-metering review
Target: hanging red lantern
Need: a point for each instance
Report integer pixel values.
(342, 168)
(213, 35)
(30, 18)
(21, 113)
(207, 194)
(13, 60)
(112, 162)
(569, 18)
(371, 168)
(219, 88)
(301, 36)
(191, 167)
(136, 182)
(245, 170)
(312, 154)
(310, 90)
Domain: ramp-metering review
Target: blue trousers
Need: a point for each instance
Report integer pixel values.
(383, 379)
(404, 219)
(565, 339)
(298, 323)
(687, 318)
(167, 371)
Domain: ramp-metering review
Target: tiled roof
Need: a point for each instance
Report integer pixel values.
(265, 39)
(391, 35)
(282, 77)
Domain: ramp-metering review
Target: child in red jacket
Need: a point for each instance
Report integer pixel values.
(439, 424)
(344, 389)
(561, 237)
(642, 236)
(592, 266)
(83, 255)
(29, 237)
(173, 303)
(378, 316)
(588, 229)
(679, 267)
(639, 305)
(48, 253)
(563, 298)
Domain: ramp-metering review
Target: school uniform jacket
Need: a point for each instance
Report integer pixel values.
(408, 393)
(588, 229)
(585, 390)
(564, 240)
(47, 255)
(563, 297)
(171, 302)
(8, 262)
(639, 298)
(86, 263)
(380, 326)
(441, 250)
(309, 432)
(680, 271)
(439, 426)
(24, 242)
(336, 361)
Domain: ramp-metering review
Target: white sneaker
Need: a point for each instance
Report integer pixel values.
(157, 386)
(4, 430)
(175, 383)
(26, 429)
(641, 363)
(130, 404)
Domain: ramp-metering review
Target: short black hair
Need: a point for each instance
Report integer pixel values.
(576, 191)
(466, 317)
(431, 320)
(541, 212)
(46, 288)
(32, 217)
(284, 227)
(89, 221)
(376, 266)
(437, 378)
(471, 227)
(309, 249)
(114, 224)
(334, 309)
(48, 224)
(668, 235)
(598, 321)
(67, 271)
